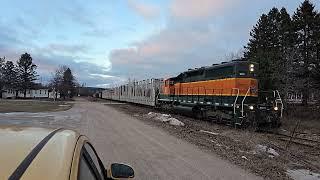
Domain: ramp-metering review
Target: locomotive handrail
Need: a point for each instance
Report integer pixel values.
(281, 111)
(235, 102)
(244, 98)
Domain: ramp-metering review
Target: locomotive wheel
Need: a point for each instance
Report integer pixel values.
(198, 113)
(219, 119)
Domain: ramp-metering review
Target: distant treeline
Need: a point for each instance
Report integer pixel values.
(287, 49)
(22, 75)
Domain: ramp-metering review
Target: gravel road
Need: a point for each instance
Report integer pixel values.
(118, 137)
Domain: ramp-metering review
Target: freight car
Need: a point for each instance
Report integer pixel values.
(140, 92)
(226, 92)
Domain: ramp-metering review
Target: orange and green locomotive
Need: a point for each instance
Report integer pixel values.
(228, 92)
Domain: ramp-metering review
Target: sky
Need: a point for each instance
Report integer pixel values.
(107, 42)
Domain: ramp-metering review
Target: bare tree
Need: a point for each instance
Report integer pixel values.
(57, 79)
(234, 55)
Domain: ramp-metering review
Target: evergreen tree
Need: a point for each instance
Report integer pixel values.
(26, 72)
(316, 72)
(2, 61)
(10, 75)
(263, 48)
(68, 84)
(286, 37)
(64, 82)
(306, 29)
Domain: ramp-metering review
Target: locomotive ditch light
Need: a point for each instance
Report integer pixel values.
(276, 108)
(251, 107)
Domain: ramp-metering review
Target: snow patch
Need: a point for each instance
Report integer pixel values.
(303, 174)
(165, 118)
(243, 157)
(272, 152)
(175, 122)
(64, 105)
(209, 132)
(265, 149)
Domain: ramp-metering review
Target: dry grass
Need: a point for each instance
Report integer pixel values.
(7, 106)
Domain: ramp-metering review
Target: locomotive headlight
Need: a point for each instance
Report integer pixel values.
(251, 67)
(276, 108)
(251, 107)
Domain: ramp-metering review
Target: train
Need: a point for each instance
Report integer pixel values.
(225, 93)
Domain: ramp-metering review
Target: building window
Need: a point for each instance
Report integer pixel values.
(29, 91)
(40, 91)
(35, 91)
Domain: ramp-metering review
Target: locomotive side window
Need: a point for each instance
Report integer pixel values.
(194, 76)
(221, 72)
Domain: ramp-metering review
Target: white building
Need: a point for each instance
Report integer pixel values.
(31, 93)
(8, 93)
(54, 94)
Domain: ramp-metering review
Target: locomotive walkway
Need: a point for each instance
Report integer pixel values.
(153, 153)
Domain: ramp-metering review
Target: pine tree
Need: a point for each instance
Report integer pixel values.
(263, 48)
(316, 72)
(26, 72)
(10, 75)
(68, 83)
(305, 26)
(2, 61)
(286, 39)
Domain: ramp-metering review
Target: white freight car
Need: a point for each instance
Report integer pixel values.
(140, 92)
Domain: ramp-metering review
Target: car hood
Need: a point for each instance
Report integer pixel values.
(52, 162)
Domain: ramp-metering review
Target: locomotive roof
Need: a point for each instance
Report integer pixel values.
(214, 66)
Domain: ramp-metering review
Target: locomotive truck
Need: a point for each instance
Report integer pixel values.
(226, 92)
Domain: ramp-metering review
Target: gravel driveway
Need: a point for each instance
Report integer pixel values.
(118, 137)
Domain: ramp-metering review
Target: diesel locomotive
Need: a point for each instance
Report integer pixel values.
(226, 92)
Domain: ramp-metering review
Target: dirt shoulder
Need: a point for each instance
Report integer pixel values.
(266, 155)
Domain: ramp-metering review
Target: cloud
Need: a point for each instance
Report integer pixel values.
(106, 33)
(103, 85)
(85, 72)
(147, 11)
(174, 49)
(197, 33)
(197, 9)
(78, 13)
(64, 48)
(103, 76)
(98, 33)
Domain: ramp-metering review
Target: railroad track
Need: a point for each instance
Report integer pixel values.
(297, 140)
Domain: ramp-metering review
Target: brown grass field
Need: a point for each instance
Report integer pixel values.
(34, 106)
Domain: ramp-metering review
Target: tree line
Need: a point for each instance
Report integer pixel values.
(21, 76)
(287, 49)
